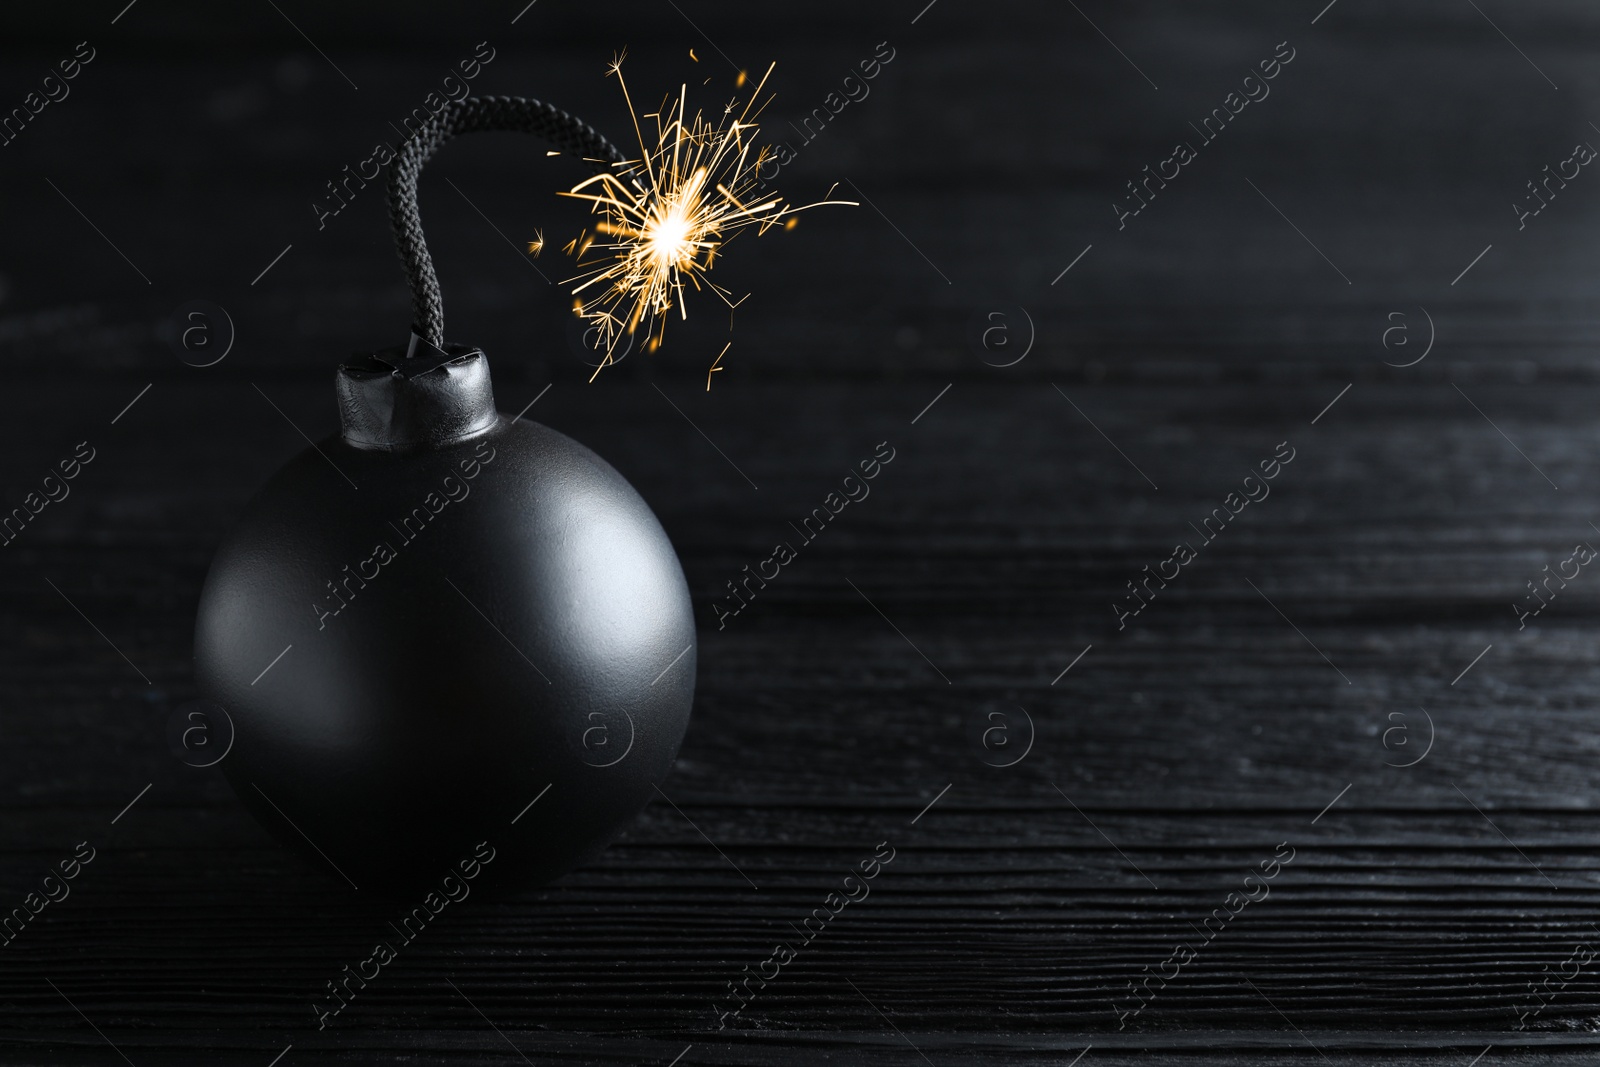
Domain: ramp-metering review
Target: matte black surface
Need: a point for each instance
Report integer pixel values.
(1380, 177)
(479, 631)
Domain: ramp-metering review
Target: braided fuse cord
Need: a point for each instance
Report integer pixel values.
(560, 129)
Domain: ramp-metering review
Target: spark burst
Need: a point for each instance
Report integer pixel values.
(668, 214)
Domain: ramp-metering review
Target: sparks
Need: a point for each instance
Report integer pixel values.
(537, 244)
(714, 364)
(664, 217)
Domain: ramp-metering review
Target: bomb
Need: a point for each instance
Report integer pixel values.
(445, 629)
(424, 624)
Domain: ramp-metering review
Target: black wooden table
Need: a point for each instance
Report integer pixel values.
(1323, 797)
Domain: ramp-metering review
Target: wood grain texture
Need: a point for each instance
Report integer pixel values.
(1261, 698)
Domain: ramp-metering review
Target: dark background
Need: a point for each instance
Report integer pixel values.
(1164, 766)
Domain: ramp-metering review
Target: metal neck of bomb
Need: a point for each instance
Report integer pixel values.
(415, 396)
